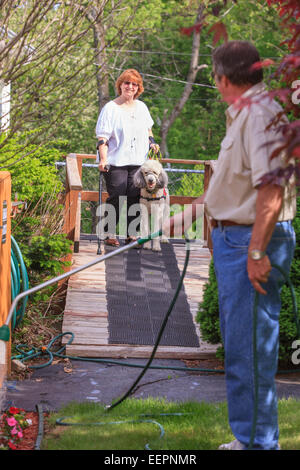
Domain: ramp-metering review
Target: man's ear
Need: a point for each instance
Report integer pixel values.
(223, 81)
(226, 82)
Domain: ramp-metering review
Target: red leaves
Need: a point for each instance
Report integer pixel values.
(296, 152)
(282, 94)
(291, 8)
(279, 175)
(292, 60)
(262, 63)
(218, 29)
(219, 32)
(195, 28)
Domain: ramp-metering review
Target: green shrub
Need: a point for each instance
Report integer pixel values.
(33, 175)
(44, 252)
(288, 329)
(208, 313)
(43, 259)
(191, 184)
(37, 229)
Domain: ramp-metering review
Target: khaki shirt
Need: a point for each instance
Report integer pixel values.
(244, 158)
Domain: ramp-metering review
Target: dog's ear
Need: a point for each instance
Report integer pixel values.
(163, 179)
(138, 179)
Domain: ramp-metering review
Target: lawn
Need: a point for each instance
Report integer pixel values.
(155, 425)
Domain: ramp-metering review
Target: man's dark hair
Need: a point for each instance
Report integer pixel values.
(234, 59)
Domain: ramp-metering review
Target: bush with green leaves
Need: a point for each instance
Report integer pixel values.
(37, 228)
(191, 184)
(44, 252)
(34, 174)
(208, 312)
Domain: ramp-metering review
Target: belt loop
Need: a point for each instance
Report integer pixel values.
(220, 226)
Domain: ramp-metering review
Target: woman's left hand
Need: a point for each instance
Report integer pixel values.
(155, 147)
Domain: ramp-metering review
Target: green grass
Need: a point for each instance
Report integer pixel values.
(201, 426)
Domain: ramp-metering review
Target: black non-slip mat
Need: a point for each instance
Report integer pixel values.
(140, 286)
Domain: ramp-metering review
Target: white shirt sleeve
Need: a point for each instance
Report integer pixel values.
(104, 127)
(147, 116)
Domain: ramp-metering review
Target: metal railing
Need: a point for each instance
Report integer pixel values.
(82, 191)
(90, 178)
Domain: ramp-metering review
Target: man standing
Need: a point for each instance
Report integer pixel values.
(252, 230)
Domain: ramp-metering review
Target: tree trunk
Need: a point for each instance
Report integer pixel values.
(168, 119)
(101, 61)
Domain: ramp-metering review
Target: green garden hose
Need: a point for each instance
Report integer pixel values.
(47, 350)
(19, 281)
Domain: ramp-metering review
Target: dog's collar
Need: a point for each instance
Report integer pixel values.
(153, 195)
(149, 192)
(153, 198)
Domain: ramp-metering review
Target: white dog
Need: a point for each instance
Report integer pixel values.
(154, 200)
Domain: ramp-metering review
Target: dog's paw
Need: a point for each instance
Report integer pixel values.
(156, 247)
(147, 246)
(164, 239)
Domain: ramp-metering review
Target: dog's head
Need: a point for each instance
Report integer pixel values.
(151, 176)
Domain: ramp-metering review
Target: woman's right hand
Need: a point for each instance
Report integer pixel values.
(103, 167)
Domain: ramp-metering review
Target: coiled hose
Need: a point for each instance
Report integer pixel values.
(19, 282)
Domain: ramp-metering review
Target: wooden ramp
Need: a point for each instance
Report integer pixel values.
(86, 312)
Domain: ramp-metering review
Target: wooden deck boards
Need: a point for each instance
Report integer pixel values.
(86, 314)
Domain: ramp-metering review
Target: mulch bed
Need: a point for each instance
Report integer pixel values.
(209, 363)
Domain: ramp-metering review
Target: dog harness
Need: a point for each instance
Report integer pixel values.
(153, 197)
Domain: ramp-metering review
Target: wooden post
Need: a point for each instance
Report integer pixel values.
(73, 187)
(5, 268)
(208, 171)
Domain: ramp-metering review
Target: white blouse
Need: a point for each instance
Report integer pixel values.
(127, 132)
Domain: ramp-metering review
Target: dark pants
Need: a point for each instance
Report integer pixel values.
(119, 182)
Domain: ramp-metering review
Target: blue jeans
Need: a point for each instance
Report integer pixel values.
(236, 306)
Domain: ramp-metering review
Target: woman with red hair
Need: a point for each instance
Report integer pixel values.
(124, 137)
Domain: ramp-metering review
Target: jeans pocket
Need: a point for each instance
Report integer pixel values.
(284, 231)
(237, 237)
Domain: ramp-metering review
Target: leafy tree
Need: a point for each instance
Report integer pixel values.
(38, 227)
(36, 38)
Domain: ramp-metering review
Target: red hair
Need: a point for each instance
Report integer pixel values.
(130, 75)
